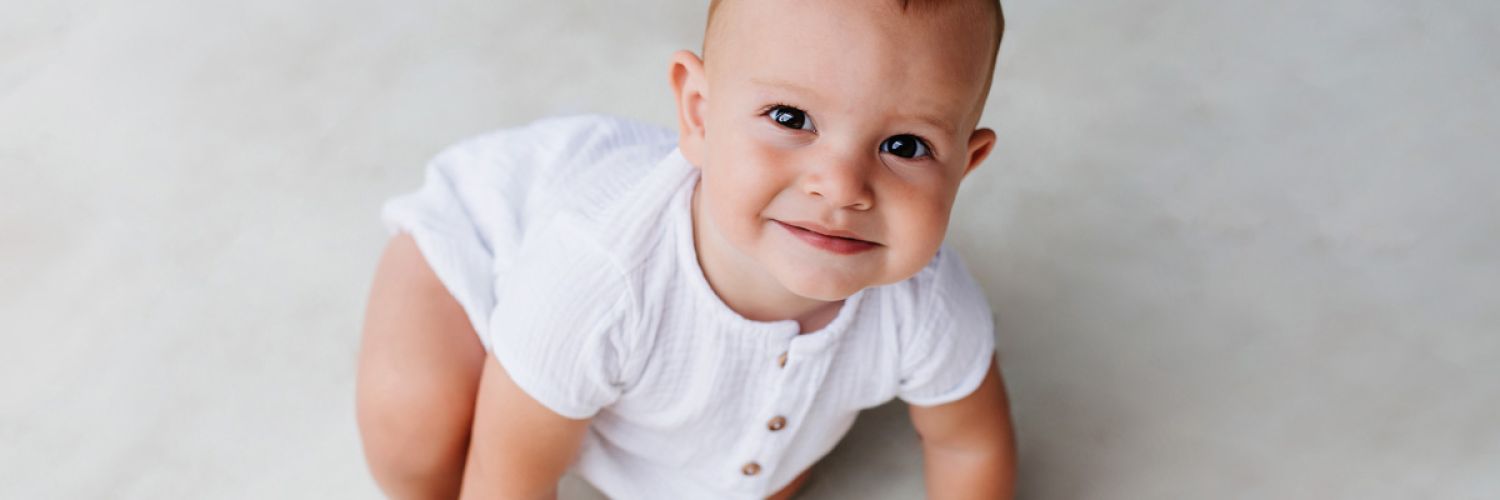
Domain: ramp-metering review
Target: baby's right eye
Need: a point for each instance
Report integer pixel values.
(790, 117)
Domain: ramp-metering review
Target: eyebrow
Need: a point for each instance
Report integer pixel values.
(936, 123)
(784, 84)
(801, 89)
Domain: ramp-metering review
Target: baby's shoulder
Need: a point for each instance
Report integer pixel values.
(605, 187)
(558, 161)
(592, 167)
(946, 336)
(565, 139)
(604, 160)
(943, 289)
(944, 275)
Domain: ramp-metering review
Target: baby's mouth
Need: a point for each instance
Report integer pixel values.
(823, 231)
(840, 241)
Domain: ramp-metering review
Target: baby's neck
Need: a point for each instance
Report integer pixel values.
(818, 319)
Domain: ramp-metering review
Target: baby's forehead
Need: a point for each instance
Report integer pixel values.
(955, 18)
(854, 52)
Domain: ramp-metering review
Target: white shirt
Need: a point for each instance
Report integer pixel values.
(569, 244)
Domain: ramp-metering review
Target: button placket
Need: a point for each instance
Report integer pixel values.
(786, 397)
(793, 392)
(797, 374)
(782, 399)
(800, 367)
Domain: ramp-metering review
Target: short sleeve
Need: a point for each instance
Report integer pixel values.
(480, 195)
(469, 213)
(561, 314)
(949, 353)
(440, 219)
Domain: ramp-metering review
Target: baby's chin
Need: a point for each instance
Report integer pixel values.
(821, 285)
(824, 294)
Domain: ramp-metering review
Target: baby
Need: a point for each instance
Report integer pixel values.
(702, 314)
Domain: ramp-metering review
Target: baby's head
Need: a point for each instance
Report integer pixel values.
(857, 117)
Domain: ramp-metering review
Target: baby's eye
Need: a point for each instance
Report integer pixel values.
(905, 146)
(790, 117)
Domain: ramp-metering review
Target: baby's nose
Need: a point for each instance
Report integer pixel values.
(842, 182)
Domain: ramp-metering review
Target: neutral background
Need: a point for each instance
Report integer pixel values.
(1235, 249)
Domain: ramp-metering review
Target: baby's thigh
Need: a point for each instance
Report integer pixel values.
(419, 365)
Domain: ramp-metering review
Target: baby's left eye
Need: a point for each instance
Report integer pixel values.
(905, 146)
(790, 117)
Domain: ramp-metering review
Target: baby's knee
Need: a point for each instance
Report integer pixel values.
(406, 455)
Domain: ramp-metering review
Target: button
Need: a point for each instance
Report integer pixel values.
(777, 423)
(781, 360)
(751, 469)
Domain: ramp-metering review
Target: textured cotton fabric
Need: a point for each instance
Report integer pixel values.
(569, 244)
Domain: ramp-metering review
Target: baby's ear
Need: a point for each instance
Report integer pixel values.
(981, 142)
(690, 85)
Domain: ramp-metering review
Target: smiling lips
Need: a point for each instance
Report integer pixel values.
(840, 242)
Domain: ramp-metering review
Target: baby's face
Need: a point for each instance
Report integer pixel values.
(835, 116)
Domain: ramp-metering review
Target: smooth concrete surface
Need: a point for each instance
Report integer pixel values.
(1235, 249)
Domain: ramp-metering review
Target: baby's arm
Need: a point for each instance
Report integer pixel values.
(968, 447)
(519, 448)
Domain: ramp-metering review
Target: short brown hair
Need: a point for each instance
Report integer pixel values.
(906, 5)
(713, 6)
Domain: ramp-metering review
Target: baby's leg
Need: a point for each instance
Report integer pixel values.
(419, 368)
(792, 488)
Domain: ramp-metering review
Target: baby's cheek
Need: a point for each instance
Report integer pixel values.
(923, 226)
(743, 188)
(735, 210)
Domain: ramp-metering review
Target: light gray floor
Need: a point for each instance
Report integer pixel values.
(1237, 250)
